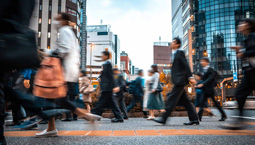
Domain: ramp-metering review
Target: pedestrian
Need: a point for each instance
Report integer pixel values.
(207, 85)
(68, 50)
(247, 55)
(119, 80)
(138, 93)
(199, 97)
(86, 89)
(108, 87)
(155, 101)
(147, 90)
(181, 75)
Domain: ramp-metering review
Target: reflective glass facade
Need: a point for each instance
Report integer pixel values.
(215, 31)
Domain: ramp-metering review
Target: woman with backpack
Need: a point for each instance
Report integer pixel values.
(155, 101)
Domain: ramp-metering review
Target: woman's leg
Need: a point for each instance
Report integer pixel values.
(197, 109)
(51, 124)
(88, 107)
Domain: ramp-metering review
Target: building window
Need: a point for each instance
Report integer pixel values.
(74, 1)
(49, 21)
(102, 33)
(40, 20)
(48, 34)
(48, 47)
(50, 8)
(39, 34)
(40, 7)
(71, 12)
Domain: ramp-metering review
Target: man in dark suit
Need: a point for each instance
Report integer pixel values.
(138, 94)
(108, 87)
(208, 84)
(181, 75)
(119, 80)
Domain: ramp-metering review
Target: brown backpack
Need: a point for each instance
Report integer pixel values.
(49, 80)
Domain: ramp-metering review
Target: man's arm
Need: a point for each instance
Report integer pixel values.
(251, 47)
(210, 78)
(184, 63)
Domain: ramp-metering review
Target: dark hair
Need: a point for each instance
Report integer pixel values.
(65, 16)
(107, 53)
(83, 72)
(198, 74)
(251, 23)
(140, 71)
(178, 40)
(206, 59)
(154, 68)
(115, 69)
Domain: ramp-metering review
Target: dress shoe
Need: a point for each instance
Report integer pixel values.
(45, 133)
(160, 120)
(75, 119)
(192, 123)
(117, 121)
(125, 118)
(3, 142)
(223, 118)
(67, 120)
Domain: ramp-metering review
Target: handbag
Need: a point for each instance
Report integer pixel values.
(159, 88)
(18, 48)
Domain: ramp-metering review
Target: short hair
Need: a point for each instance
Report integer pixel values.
(206, 59)
(83, 72)
(251, 23)
(140, 71)
(65, 16)
(178, 40)
(154, 68)
(198, 74)
(115, 69)
(107, 53)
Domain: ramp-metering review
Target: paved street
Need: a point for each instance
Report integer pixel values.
(137, 131)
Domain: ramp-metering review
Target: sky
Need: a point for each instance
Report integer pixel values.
(138, 23)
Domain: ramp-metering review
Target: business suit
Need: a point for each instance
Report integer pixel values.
(120, 96)
(107, 84)
(180, 77)
(208, 91)
(138, 95)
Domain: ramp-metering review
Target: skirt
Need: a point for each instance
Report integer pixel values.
(155, 101)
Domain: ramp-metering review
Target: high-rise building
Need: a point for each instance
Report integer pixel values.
(125, 62)
(83, 31)
(215, 31)
(162, 56)
(117, 51)
(43, 16)
(100, 38)
(177, 29)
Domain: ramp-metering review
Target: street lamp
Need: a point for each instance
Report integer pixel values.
(91, 46)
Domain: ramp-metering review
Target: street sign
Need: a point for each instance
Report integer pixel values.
(235, 78)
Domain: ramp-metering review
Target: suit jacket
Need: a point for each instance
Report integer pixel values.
(120, 82)
(208, 81)
(139, 87)
(180, 69)
(107, 80)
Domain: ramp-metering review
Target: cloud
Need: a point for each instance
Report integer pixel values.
(106, 2)
(137, 23)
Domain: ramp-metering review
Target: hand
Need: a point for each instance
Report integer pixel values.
(193, 81)
(200, 85)
(26, 83)
(236, 48)
(153, 91)
(116, 90)
(239, 55)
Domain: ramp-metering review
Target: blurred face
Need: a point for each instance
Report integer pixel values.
(104, 57)
(174, 45)
(150, 74)
(243, 27)
(116, 72)
(198, 78)
(141, 74)
(60, 21)
(204, 63)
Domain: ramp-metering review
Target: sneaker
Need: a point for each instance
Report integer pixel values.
(53, 133)
(150, 118)
(92, 117)
(30, 125)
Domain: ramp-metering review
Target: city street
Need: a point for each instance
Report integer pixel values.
(138, 131)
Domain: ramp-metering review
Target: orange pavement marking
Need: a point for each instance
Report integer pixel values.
(72, 133)
(250, 123)
(124, 133)
(193, 132)
(20, 133)
(230, 132)
(147, 133)
(100, 133)
(170, 132)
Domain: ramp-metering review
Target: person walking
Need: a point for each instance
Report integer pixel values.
(155, 101)
(200, 96)
(208, 83)
(247, 55)
(119, 80)
(147, 90)
(108, 87)
(86, 89)
(181, 75)
(138, 93)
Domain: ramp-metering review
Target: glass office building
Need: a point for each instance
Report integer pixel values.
(215, 31)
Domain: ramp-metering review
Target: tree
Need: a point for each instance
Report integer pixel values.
(168, 85)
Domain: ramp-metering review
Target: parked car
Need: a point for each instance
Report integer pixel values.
(249, 104)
